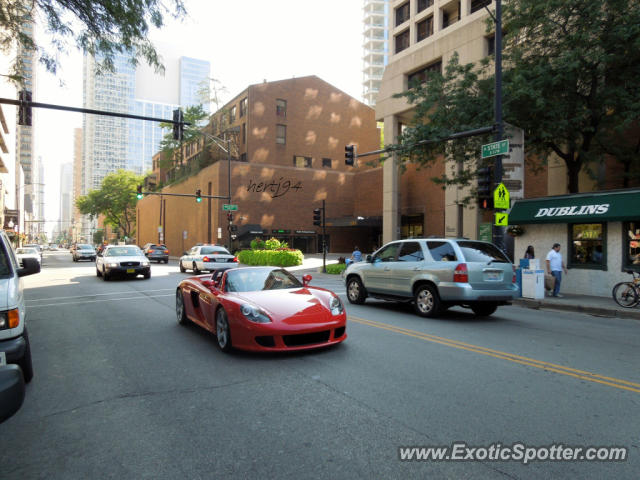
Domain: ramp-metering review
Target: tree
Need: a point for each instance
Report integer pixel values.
(102, 28)
(169, 146)
(570, 82)
(116, 200)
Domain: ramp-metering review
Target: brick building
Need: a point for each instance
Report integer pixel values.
(287, 142)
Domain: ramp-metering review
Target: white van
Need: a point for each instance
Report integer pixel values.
(14, 340)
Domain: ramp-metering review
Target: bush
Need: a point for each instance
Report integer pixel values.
(278, 258)
(336, 268)
(257, 244)
(274, 244)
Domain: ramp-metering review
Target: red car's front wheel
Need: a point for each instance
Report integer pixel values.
(223, 333)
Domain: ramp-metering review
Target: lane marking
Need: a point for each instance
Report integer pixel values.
(101, 300)
(547, 366)
(98, 295)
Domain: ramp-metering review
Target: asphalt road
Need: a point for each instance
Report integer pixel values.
(122, 391)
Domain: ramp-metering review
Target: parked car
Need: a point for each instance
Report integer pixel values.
(157, 252)
(84, 251)
(262, 309)
(27, 252)
(14, 338)
(206, 257)
(122, 260)
(435, 274)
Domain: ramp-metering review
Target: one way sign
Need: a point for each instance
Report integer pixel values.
(502, 219)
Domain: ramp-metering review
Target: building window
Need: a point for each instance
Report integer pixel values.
(424, 4)
(587, 245)
(491, 45)
(402, 14)
(479, 4)
(301, 162)
(412, 226)
(232, 114)
(244, 133)
(402, 41)
(631, 246)
(281, 134)
(326, 163)
(415, 79)
(243, 107)
(281, 108)
(424, 28)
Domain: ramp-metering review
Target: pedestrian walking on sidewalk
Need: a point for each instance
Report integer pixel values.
(555, 266)
(529, 253)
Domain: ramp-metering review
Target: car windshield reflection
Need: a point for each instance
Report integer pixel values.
(253, 280)
(123, 252)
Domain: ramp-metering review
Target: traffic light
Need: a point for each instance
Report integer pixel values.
(230, 216)
(139, 195)
(317, 216)
(178, 126)
(198, 196)
(24, 111)
(485, 187)
(350, 155)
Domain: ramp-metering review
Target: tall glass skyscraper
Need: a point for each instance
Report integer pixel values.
(111, 143)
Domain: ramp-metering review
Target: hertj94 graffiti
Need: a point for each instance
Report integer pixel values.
(275, 188)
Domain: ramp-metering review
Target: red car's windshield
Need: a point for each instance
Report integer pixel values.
(255, 279)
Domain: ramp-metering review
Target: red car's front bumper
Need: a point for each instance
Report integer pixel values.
(274, 337)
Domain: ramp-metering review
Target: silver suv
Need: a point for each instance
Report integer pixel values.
(435, 274)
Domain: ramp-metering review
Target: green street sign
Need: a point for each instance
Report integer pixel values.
(484, 232)
(228, 207)
(495, 148)
(502, 219)
(501, 197)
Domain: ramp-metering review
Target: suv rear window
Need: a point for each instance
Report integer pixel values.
(442, 251)
(482, 252)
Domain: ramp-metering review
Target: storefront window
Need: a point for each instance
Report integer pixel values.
(631, 245)
(587, 244)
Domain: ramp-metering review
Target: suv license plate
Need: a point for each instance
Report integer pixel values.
(493, 276)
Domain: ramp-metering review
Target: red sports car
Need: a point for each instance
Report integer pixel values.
(262, 309)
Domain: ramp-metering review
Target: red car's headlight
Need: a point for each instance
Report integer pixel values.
(254, 314)
(336, 306)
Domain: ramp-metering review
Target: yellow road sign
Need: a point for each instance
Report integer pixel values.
(502, 219)
(501, 197)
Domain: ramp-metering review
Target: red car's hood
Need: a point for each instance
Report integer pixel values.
(296, 305)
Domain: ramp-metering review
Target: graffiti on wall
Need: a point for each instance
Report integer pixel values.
(275, 188)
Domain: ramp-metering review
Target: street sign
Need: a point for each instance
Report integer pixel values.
(495, 148)
(229, 207)
(501, 197)
(502, 220)
(484, 232)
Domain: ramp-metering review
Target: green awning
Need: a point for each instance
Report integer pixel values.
(611, 206)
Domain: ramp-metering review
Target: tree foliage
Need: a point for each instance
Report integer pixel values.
(570, 81)
(103, 28)
(169, 146)
(116, 200)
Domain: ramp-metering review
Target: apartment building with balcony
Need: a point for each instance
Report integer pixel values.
(286, 156)
(375, 47)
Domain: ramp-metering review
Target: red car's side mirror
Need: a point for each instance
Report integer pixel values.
(209, 283)
(306, 279)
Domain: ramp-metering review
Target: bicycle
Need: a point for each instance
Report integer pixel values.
(627, 294)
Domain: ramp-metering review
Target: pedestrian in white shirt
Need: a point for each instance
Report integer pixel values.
(555, 266)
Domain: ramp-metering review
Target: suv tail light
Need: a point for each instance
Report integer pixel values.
(461, 274)
(205, 259)
(513, 279)
(235, 259)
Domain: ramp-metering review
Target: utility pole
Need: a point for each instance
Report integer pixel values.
(498, 231)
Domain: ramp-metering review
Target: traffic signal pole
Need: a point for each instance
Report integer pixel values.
(498, 231)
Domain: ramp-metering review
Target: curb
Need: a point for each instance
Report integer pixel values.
(597, 311)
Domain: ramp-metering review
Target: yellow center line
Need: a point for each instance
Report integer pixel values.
(551, 367)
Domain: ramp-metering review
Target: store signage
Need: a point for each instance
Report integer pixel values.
(573, 210)
(306, 231)
(275, 188)
(280, 230)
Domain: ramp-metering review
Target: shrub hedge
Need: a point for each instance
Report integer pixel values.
(280, 258)
(336, 268)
